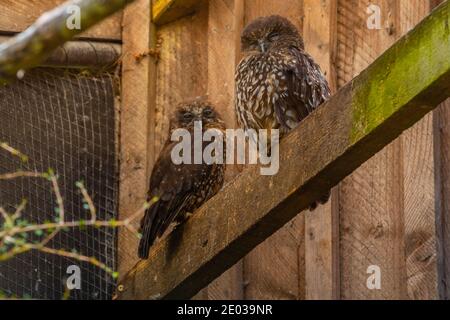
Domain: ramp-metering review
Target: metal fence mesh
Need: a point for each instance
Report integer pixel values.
(65, 121)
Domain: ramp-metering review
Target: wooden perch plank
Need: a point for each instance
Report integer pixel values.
(397, 90)
(165, 11)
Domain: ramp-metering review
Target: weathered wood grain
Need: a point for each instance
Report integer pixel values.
(419, 187)
(225, 21)
(441, 135)
(322, 225)
(165, 11)
(291, 9)
(136, 123)
(442, 153)
(383, 185)
(359, 121)
(371, 199)
(17, 15)
(182, 68)
(183, 74)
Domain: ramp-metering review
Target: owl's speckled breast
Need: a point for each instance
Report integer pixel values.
(260, 83)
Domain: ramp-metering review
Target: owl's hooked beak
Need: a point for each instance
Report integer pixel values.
(263, 46)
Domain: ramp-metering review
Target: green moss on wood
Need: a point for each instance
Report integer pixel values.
(400, 75)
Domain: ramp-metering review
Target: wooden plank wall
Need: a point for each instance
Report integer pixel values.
(419, 188)
(442, 164)
(371, 200)
(137, 120)
(384, 214)
(194, 63)
(387, 206)
(442, 148)
(225, 21)
(321, 247)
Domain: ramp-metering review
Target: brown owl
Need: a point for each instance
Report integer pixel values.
(277, 83)
(181, 189)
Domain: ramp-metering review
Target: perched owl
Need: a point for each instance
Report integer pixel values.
(181, 189)
(277, 83)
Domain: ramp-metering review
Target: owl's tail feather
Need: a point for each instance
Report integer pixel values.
(148, 230)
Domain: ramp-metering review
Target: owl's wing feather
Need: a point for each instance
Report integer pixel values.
(306, 86)
(172, 185)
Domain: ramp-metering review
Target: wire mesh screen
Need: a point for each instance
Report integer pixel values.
(64, 121)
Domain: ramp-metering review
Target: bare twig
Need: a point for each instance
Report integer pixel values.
(13, 151)
(89, 202)
(20, 174)
(5, 215)
(59, 200)
(19, 210)
(12, 233)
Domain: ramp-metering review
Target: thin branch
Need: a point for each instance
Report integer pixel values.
(19, 210)
(17, 245)
(13, 151)
(87, 198)
(76, 256)
(20, 174)
(59, 199)
(33, 46)
(5, 215)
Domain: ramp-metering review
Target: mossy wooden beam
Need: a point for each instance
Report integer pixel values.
(397, 90)
(29, 48)
(165, 11)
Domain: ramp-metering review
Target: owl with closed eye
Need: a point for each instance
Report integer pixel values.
(181, 188)
(277, 83)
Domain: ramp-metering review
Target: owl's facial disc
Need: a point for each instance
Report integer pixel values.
(267, 33)
(197, 111)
